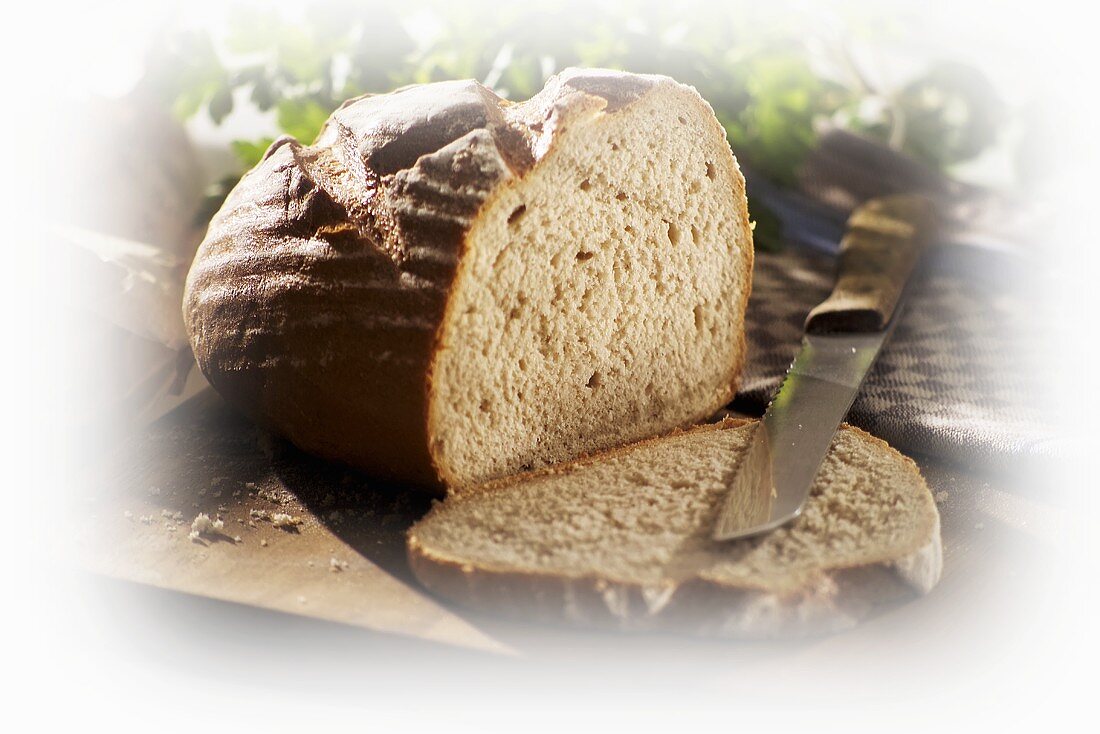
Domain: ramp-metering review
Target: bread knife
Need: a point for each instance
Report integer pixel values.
(843, 335)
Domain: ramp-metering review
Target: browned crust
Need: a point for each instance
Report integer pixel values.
(835, 599)
(313, 302)
(365, 231)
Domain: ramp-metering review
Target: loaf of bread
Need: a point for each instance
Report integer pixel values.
(623, 540)
(445, 287)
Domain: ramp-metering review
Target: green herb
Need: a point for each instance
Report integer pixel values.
(772, 85)
(250, 152)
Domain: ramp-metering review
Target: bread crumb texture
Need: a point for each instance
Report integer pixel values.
(446, 288)
(601, 298)
(624, 539)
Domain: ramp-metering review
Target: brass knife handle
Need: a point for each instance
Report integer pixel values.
(883, 242)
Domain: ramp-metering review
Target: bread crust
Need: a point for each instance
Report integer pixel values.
(318, 299)
(832, 600)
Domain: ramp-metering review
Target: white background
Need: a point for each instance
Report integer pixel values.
(69, 646)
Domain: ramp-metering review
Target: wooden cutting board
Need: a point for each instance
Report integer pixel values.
(344, 558)
(343, 561)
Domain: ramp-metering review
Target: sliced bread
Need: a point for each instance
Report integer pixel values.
(447, 288)
(623, 540)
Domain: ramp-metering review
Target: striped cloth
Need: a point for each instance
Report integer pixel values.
(961, 378)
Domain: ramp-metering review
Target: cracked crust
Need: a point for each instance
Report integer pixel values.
(830, 600)
(316, 302)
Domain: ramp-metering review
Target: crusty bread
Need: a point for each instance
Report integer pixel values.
(446, 287)
(623, 539)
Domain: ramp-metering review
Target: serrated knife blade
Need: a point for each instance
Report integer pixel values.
(844, 336)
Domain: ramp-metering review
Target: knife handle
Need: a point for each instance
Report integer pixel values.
(882, 244)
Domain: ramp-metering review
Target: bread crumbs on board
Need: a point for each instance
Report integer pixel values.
(285, 521)
(203, 525)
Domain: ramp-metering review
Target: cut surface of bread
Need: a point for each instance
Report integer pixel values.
(599, 300)
(624, 539)
(447, 288)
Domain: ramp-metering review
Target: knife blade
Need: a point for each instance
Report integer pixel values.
(843, 336)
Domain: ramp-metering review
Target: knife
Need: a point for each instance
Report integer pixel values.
(843, 335)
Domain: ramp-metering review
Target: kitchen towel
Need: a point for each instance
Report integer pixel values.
(965, 376)
(962, 377)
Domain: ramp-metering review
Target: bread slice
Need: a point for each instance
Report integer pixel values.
(623, 540)
(446, 288)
